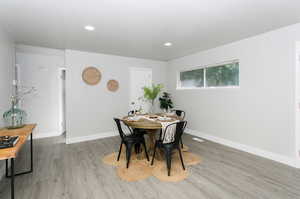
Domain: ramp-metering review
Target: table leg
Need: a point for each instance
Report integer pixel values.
(6, 168)
(12, 166)
(152, 139)
(31, 162)
(151, 135)
(31, 154)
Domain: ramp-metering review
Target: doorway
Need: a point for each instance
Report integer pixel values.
(297, 105)
(139, 78)
(62, 101)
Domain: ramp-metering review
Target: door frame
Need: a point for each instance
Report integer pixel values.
(130, 80)
(62, 101)
(297, 105)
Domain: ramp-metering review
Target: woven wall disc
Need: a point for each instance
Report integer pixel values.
(91, 75)
(113, 85)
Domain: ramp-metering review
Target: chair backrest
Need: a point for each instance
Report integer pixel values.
(132, 112)
(180, 113)
(121, 132)
(180, 126)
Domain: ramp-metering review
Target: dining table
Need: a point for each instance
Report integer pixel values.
(152, 124)
(11, 153)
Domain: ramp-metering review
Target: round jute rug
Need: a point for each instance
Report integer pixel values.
(140, 168)
(177, 173)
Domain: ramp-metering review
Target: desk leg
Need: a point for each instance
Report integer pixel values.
(12, 166)
(6, 168)
(31, 154)
(152, 139)
(31, 162)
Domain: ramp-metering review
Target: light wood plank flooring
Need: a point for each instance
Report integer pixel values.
(76, 172)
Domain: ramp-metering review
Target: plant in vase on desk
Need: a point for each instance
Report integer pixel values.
(135, 108)
(151, 93)
(15, 117)
(166, 103)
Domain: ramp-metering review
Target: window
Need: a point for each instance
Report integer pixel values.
(223, 75)
(218, 75)
(193, 78)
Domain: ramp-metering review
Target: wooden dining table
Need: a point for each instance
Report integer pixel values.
(152, 124)
(11, 153)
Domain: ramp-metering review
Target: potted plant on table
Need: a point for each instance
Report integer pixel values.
(151, 93)
(15, 117)
(166, 102)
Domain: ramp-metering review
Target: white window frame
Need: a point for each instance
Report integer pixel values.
(178, 83)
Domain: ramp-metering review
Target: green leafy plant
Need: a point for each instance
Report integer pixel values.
(165, 101)
(151, 93)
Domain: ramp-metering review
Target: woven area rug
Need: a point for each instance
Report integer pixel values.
(140, 168)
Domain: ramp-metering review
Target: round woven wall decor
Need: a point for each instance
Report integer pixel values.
(91, 75)
(113, 85)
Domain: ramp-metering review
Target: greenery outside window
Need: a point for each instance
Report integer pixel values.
(192, 78)
(214, 76)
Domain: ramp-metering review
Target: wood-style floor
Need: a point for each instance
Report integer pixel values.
(76, 172)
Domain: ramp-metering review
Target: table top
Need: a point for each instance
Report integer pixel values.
(23, 133)
(145, 123)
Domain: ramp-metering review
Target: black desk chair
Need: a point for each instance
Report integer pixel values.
(181, 114)
(137, 146)
(130, 140)
(132, 112)
(169, 147)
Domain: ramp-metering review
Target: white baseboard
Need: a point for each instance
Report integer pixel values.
(259, 152)
(39, 135)
(91, 137)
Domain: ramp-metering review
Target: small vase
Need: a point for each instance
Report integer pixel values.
(14, 118)
(151, 108)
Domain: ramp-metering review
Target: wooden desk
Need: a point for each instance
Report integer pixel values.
(148, 124)
(11, 153)
(152, 127)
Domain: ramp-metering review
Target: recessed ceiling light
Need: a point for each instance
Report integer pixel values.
(168, 44)
(89, 28)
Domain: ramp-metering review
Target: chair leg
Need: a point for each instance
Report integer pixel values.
(154, 154)
(146, 150)
(181, 158)
(168, 160)
(120, 151)
(181, 143)
(137, 148)
(128, 153)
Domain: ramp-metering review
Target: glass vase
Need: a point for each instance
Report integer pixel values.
(151, 108)
(14, 118)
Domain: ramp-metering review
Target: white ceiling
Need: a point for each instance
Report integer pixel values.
(138, 28)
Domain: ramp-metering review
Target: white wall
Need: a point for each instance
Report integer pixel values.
(7, 59)
(39, 67)
(90, 109)
(7, 62)
(297, 95)
(261, 113)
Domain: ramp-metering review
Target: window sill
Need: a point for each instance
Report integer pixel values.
(208, 88)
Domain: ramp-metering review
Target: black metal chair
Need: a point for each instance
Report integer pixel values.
(137, 146)
(130, 140)
(181, 114)
(132, 112)
(169, 147)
